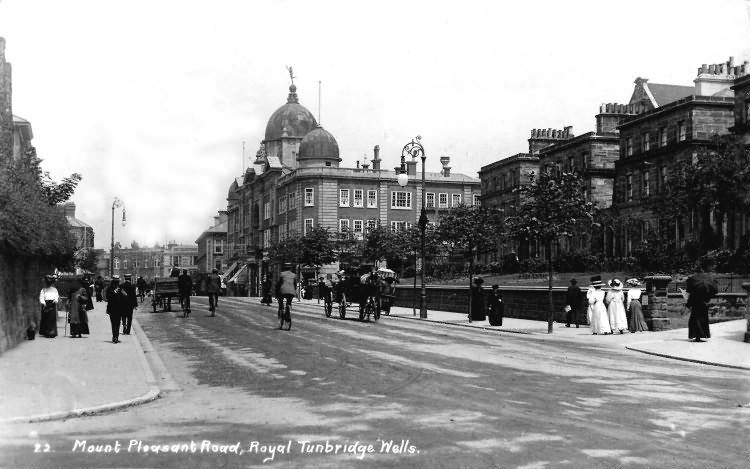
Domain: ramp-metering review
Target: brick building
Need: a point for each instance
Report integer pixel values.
(82, 232)
(138, 261)
(296, 183)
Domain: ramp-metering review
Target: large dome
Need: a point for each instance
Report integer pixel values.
(291, 120)
(318, 144)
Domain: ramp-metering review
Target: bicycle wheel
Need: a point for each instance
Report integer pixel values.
(287, 321)
(342, 307)
(280, 314)
(328, 306)
(376, 312)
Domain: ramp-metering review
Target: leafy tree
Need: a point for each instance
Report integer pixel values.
(289, 249)
(382, 244)
(347, 246)
(553, 206)
(31, 224)
(317, 247)
(717, 180)
(470, 229)
(87, 259)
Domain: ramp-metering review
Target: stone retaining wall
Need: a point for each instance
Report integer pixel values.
(20, 283)
(532, 303)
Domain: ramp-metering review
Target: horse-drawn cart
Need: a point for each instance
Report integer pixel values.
(164, 290)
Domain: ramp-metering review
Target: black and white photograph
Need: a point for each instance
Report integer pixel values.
(395, 234)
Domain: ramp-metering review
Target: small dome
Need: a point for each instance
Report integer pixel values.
(290, 120)
(319, 144)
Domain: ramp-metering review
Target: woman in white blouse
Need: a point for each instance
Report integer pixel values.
(636, 321)
(597, 312)
(49, 297)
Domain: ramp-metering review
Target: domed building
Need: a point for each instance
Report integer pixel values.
(296, 183)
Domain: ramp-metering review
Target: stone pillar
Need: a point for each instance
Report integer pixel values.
(656, 313)
(746, 286)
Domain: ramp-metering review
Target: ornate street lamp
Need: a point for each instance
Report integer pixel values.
(116, 204)
(415, 149)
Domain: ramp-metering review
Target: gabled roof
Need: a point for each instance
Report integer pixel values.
(665, 94)
(76, 223)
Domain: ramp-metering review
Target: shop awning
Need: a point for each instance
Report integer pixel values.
(239, 277)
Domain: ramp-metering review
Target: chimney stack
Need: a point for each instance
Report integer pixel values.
(445, 160)
(376, 158)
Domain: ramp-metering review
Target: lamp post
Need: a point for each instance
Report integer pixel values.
(117, 203)
(415, 149)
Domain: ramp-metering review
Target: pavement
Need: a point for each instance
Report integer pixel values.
(60, 378)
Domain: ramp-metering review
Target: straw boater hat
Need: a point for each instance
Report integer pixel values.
(615, 284)
(633, 282)
(596, 281)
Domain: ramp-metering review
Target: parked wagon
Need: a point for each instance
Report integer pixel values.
(164, 290)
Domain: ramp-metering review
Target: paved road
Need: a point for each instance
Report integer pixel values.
(446, 397)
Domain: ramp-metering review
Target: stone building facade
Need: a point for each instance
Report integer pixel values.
(212, 245)
(296, 183)
(652, 142)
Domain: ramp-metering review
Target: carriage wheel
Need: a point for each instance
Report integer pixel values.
(342, 307)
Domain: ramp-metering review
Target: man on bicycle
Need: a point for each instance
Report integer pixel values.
(325, 290)
(213, 287)
(286, 286)
(185, 288)
(141, 285)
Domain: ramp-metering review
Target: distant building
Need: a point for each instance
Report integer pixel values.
(180, 256)
(212, 245)
(82, 232)
(296, 184)
(137, 261)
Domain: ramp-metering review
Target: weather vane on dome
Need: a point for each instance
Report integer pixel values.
(291, 73)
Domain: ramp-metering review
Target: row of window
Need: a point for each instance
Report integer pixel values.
(661, 141)
(356, 198)
(645, 180)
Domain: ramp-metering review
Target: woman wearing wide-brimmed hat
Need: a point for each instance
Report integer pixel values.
(49, 297)
(597, 312)
(636, 321)
(79, 304)
(615, 301)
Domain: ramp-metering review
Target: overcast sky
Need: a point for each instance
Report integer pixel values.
(151, 100)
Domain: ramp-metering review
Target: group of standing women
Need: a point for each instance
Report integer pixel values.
(609, 312)
(80, 304)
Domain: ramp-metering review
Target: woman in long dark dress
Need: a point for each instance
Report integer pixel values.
(636, 321)
(79, 304)
(477, 301)
(49, 298)
(701, 288)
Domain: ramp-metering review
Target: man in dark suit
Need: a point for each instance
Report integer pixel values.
(573, 300)
(496, 306)
(185, 288)
(130, 304)
(116, 304)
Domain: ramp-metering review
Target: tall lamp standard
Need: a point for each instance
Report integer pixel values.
(415, 149)
(116, 204)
